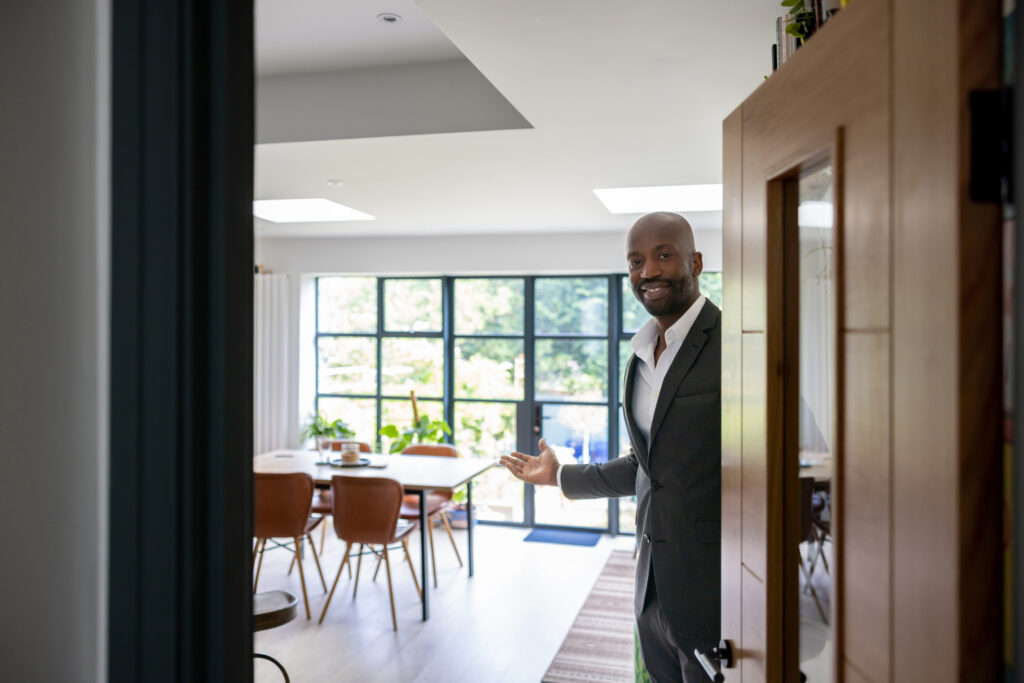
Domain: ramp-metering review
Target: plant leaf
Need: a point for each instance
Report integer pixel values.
(390, 431)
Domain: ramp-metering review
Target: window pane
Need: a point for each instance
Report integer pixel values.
(571, 305)
(347, 365)
(399, 413)
(572, 370)
(489, 368)
(487, 430)
(412, 305)
(711, 286)
(625, 351)
(412, 364)
(627, 505)
(347, 304)
(488, 306)
(360, 414)
(579, 436)
(634, 315)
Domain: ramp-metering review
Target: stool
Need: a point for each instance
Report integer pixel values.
(270, 610)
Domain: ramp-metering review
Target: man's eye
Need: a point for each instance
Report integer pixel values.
(666, 254)
(634, 263)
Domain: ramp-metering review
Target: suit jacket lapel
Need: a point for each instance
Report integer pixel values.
(684, 359)
(635, 437)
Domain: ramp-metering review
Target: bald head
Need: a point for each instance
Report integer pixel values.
(665, 226)
(664, 265)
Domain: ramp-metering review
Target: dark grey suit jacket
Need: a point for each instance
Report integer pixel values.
(677, 479)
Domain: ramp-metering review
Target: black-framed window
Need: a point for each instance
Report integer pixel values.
(486, 353)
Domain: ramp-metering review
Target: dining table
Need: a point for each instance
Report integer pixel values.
(419, 474)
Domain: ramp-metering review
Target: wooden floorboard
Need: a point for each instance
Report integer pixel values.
(503, 625)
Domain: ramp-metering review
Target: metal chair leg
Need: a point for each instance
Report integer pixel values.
(260, 655)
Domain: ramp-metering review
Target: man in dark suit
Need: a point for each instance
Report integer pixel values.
(672, 406)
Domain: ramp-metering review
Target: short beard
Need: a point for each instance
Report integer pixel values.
(682, 294)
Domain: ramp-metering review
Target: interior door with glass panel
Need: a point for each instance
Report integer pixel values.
(806, 231)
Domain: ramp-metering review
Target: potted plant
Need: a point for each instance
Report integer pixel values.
(323, 430)
(422, 430)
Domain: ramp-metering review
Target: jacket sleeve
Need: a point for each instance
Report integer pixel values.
(606, 480)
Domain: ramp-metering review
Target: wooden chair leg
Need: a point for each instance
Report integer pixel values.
(412, 569)
(323, 535)
(302, 574)
(359, 565)
(433, 555)
(316, 559)
(255, 552)
(391, 591)
(344, 561)
(448, 528)
(259, 565)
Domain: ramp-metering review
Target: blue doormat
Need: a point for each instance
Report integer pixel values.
(564, 537)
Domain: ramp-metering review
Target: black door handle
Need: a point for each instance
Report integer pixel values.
(716, 659)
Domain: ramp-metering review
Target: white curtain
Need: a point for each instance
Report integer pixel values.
(271, 372)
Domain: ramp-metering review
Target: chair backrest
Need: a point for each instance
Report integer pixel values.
(281, 503)
(364, 447)
(441, 449)
(365, 509)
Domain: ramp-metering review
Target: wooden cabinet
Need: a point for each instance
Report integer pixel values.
(881, 93)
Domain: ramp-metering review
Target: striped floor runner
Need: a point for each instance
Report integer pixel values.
(599, 647)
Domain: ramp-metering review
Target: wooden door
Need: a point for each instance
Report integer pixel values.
(881, 93)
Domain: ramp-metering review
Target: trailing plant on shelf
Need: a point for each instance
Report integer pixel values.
(321, 429)
(422, 430)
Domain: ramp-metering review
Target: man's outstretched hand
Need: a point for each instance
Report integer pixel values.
(542, 469)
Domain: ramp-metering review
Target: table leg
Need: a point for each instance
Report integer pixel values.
(469, 524)
(423, 554)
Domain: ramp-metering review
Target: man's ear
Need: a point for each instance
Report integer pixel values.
(698, 263)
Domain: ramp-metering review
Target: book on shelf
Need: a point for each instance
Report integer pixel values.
(786, 44)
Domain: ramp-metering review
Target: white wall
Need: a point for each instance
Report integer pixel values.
(54, 183)
(527, 254)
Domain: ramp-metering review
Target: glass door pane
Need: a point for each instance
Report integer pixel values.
(816, 416)
(579, 436)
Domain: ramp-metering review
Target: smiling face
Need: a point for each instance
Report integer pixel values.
(663, 265)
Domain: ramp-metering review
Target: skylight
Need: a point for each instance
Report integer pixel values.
(661, 198)
(306, 211)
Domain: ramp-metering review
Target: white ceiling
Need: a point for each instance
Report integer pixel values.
(618, 93)
(302, 36)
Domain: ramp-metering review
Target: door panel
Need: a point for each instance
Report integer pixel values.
(916, 477)
(867, 486)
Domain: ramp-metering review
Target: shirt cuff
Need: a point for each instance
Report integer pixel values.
(558, 476)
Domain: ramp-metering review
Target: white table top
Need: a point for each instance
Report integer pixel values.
(414, 472)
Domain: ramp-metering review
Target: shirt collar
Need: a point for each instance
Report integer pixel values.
(645, 338)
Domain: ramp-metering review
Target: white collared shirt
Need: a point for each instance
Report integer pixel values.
(650, 375)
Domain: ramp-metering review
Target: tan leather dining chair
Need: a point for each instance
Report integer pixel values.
(438, 504)
(366, 513)
(322, 501)
(281, 503)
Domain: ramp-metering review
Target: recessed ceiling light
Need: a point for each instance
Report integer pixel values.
(661, 198)
(389, 17)
(306, 211)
